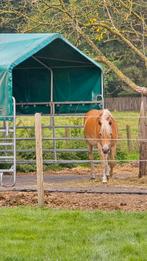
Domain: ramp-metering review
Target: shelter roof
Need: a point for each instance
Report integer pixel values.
(16, 48)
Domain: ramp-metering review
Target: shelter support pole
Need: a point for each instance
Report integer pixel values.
(52, 105)
(52, 122)
(39, 159)
(102, 86)
(52, 113)
(143, 138)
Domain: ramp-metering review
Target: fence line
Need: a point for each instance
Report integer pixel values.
(62, 138)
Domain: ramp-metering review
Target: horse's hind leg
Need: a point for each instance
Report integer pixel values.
(90, 156)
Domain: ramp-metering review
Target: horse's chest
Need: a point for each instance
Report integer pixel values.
(92, 142)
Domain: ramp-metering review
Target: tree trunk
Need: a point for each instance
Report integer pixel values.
(143, 138)
(103, 59)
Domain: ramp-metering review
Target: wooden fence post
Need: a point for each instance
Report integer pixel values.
(143, 138)
(129, 142)
(67, 134)
(39, 159)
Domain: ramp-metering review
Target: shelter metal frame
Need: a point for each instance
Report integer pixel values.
(53, 103)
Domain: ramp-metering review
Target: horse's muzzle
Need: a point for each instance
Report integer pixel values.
(106, 149)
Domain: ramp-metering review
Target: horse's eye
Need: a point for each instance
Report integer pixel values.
(99, 123)
(110, 123)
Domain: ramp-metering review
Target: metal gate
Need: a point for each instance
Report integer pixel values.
(8, 149)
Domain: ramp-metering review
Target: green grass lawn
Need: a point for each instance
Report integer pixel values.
(47, 234)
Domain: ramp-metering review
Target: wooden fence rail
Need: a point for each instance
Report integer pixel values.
(123, 103)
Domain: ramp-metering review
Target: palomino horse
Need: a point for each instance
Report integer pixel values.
(100, 130)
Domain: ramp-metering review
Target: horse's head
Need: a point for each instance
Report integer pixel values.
(105, 131)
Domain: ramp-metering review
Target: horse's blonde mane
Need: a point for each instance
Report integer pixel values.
(106, 114)
(105, 127)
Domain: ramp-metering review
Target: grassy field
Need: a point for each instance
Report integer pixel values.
(44, 234)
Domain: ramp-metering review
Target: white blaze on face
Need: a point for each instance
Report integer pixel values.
(106, 130)
(104, 120)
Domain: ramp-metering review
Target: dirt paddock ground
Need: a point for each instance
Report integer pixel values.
(82, 193)
(77, 201)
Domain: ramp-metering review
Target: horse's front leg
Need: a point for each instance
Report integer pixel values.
(90, 156)
(106, 171)
(112, 159)
(106, 168)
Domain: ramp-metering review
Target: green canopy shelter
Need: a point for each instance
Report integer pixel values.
(41, 69)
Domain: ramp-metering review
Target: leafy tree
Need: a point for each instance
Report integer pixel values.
(114, 33)
(14, 14)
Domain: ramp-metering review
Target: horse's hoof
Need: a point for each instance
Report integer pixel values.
(104, 180)
(93, 177)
